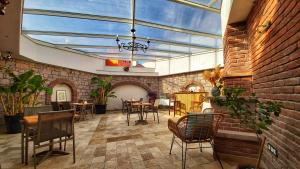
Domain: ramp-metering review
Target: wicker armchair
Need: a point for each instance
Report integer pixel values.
(53, 127)
(195, 128)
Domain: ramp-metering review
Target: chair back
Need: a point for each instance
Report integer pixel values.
(55, 106)
(201, 126)
(66, 106)
(28, 111)
(156, 103)
(208, 110)
(54, 124)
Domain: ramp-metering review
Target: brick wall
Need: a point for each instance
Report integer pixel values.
(175, 83)
(275, 58)
(275, 68)
(80, 80)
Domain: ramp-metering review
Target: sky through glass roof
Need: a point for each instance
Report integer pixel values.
(174, 28)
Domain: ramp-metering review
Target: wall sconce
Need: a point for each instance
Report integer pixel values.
(3, 4)
(264, 27)
(6, 56)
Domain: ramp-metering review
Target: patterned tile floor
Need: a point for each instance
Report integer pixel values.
(106, 141)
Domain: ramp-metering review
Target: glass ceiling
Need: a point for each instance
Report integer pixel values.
(175, 27)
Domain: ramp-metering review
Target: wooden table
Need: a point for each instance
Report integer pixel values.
(82, 106)
(141, 117)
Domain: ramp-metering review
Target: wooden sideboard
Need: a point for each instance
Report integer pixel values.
(188, 102)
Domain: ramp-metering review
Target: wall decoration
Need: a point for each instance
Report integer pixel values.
(61, 95)
(116, 62)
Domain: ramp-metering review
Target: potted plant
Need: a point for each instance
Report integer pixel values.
(16, 95)
(214, 77)
(252, 113)
(102, 91)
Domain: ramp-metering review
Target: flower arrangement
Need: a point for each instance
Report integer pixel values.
(213, 76)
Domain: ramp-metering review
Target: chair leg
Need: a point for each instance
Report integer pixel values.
(157, 117)
(182, 157)
(185, 155)
(172, 142)
(154, 115)
(34, 156)
(65, 144)
(128, 117)
(74, 158)
(200, 146)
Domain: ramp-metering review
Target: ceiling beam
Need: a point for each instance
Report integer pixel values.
(88, 35)
(117, 19)
(196, 5)
(211, 3)
(115, 47)
(128, 54)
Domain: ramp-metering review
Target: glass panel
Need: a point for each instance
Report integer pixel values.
(63, 24)
(155, 33)
(178, 15)
(116, 8)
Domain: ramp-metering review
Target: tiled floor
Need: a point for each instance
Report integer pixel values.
(107, 142)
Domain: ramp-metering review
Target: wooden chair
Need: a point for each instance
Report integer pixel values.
(154, 109)
(132, 109)
(195, 128)
(53, 127)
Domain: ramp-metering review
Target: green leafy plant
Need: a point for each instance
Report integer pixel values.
(252, 112)
(23, 90)
(103, 89)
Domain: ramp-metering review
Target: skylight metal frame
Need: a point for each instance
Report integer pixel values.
(116, 19)
(197, 5)
(114, 47)
(106, 36)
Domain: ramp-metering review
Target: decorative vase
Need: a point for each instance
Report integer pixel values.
(13, 124)
(215, 91)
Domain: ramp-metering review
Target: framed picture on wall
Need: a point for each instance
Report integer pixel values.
(61, 95)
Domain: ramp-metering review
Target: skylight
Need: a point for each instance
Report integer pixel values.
(175, 27)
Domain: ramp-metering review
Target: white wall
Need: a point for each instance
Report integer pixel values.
(189, 63)
(58, 57)
(126, 92)
(225, 12)
(61, 87)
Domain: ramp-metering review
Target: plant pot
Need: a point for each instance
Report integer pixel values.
(13, 124)
(245, 167)
(215, 91)
(100, 109)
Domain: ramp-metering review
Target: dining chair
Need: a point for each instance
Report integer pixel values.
(154, 109)
(123, 105)
(195, 128)
(132, 109)
(53, 127)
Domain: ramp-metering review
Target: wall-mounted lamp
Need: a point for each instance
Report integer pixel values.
(6, 55)
(3, 4)
(264, 27)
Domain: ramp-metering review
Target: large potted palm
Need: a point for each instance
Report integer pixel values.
(101, 92)
(16, 95)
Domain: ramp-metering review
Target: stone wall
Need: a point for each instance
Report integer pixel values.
(175, 83)
(78, 81)
(274, 73)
